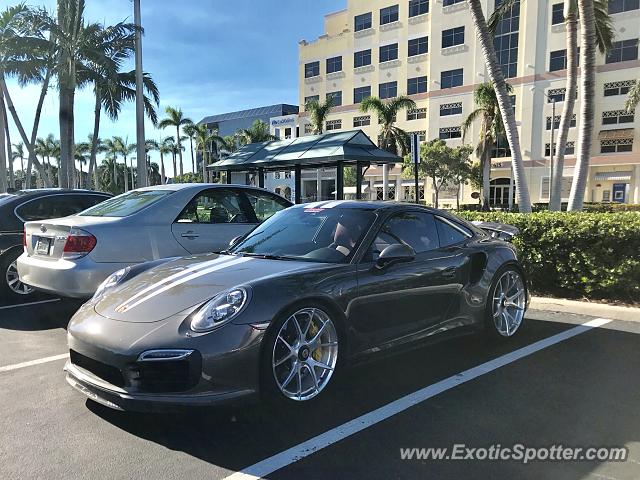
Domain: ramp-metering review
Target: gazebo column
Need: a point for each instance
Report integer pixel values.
(298, 175)
(261, 177)
(340, 181)
(228, 176)
(358, 181)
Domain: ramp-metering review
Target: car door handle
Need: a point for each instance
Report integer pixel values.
(190, 234)
(449, 272)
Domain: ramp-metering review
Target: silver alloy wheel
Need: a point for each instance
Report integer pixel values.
(13, 281)
(304, 354)
(509, 300)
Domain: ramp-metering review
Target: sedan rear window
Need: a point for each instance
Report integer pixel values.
(126, 204)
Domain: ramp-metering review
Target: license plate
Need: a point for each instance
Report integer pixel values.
(42, 246)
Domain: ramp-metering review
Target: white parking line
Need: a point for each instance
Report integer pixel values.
(29, 303)
(31, 363)
(315, 444)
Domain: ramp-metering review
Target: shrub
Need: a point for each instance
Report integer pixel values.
(595, 255)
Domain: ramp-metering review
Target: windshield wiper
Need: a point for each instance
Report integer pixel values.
(267, 256)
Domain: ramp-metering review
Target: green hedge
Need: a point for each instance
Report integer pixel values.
(594, 255)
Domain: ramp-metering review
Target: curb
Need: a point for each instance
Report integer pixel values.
(614, 312)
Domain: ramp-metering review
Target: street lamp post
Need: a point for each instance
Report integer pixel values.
(552, 149)
(141, 162)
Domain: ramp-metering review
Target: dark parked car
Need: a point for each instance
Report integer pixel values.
(311, 289)
(25, 205)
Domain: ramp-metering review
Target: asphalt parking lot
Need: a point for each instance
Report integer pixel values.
(556, 383)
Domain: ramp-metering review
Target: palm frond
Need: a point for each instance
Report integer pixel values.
(499, 13)
(633, 100)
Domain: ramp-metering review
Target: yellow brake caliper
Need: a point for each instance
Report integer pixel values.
(317, 353)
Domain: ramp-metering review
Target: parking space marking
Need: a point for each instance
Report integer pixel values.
(317, 443)
(29, 303)
(31, 363)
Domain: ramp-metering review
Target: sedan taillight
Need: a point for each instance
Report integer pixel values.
(79, 243)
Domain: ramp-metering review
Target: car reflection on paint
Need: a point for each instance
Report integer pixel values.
(307, 292)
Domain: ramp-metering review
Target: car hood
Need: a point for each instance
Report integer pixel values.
(184, 283)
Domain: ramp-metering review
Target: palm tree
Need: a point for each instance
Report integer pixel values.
(175, 118)
(391, 138)
(634, 97)
(165, 148)
(112, 149)
(125, 149)
(506, 109)
(46, 148)
(18, 152)
(82, 152)
(256, 133)
(107, 173)
(491, 128)
(151, 145)
(204, 141)
(588, 35)
(319, 113)
(190, 132)
(604, 37)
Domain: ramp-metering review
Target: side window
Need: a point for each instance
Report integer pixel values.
(88, 201)
(450, 235)
(416, 229)
(46, 207)
(264, 204)
(214, 206)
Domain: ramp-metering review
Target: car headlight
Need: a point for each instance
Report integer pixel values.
(111, 281)
(220, 309)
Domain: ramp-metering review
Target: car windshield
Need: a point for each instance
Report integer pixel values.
(310, 234)
(125, 204)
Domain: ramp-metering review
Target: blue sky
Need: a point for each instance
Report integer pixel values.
(207, 57)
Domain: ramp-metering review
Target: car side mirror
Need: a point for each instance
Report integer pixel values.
(235, 241)
(396, 253)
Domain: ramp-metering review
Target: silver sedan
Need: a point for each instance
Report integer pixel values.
(72, 256)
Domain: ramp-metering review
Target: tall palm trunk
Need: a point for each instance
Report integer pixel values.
(93, 167)
(174, 166)
(486, 176)
(571, 21)
(506, 108)
(126, 175)
(12, 179)
(133, 182)
(163, 177)
(179, 149)
(204, 165)
(115, 172)
(3, 156)
(587, 102)
(193, 162)
(65, 115)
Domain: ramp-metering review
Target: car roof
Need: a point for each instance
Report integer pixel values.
(37, 192)
(184, 186)
(366, 205)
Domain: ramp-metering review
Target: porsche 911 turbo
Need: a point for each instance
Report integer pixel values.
(311, 290)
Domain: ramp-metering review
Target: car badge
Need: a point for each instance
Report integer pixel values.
(43, 228)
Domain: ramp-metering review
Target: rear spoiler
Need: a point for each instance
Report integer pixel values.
(501, 231)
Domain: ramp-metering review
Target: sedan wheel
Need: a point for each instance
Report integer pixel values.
(13, 281)
(508, 303)
(304, 354)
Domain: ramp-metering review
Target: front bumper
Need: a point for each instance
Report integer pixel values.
(78, 278)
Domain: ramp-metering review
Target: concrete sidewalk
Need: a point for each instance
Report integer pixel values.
(592, 309)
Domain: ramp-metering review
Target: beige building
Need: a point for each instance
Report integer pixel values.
(427, 49)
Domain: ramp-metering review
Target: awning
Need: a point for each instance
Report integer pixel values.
(613, 176)
(616, 134)
(352, 190)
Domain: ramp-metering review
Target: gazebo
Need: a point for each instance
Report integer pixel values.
(314, 151)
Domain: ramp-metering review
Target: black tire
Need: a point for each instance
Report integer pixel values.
(490, 328)
(7, 294)
(270, 390)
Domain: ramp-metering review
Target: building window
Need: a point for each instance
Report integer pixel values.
(570, 149)
(388, 90)
(618, 88)
(557, 94)
(617, 145)
(558, 60)
(417, 114)
(312, 69)
(418, 46)
(287, 174)
(336, 97)
(448, 3)
(453, 36)
(623, 50)
(447, 133)
(566, 187)
(312, 98)
(500, 148)
(334, 124)
(276, 175)
(557, 13)
(388, 52)
(506, 40)
(334, 64)
(452, 78)
(422, 136)
(308, 128)
(418, 7)
(362, 22)
(360, 93)
(362, 58)
(616, 117)
(618, 6)
(447, 109)
(362, 121)
(416, 85)
(556, 122)
(389, 14)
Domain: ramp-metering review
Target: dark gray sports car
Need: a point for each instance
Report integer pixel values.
(310, 290)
